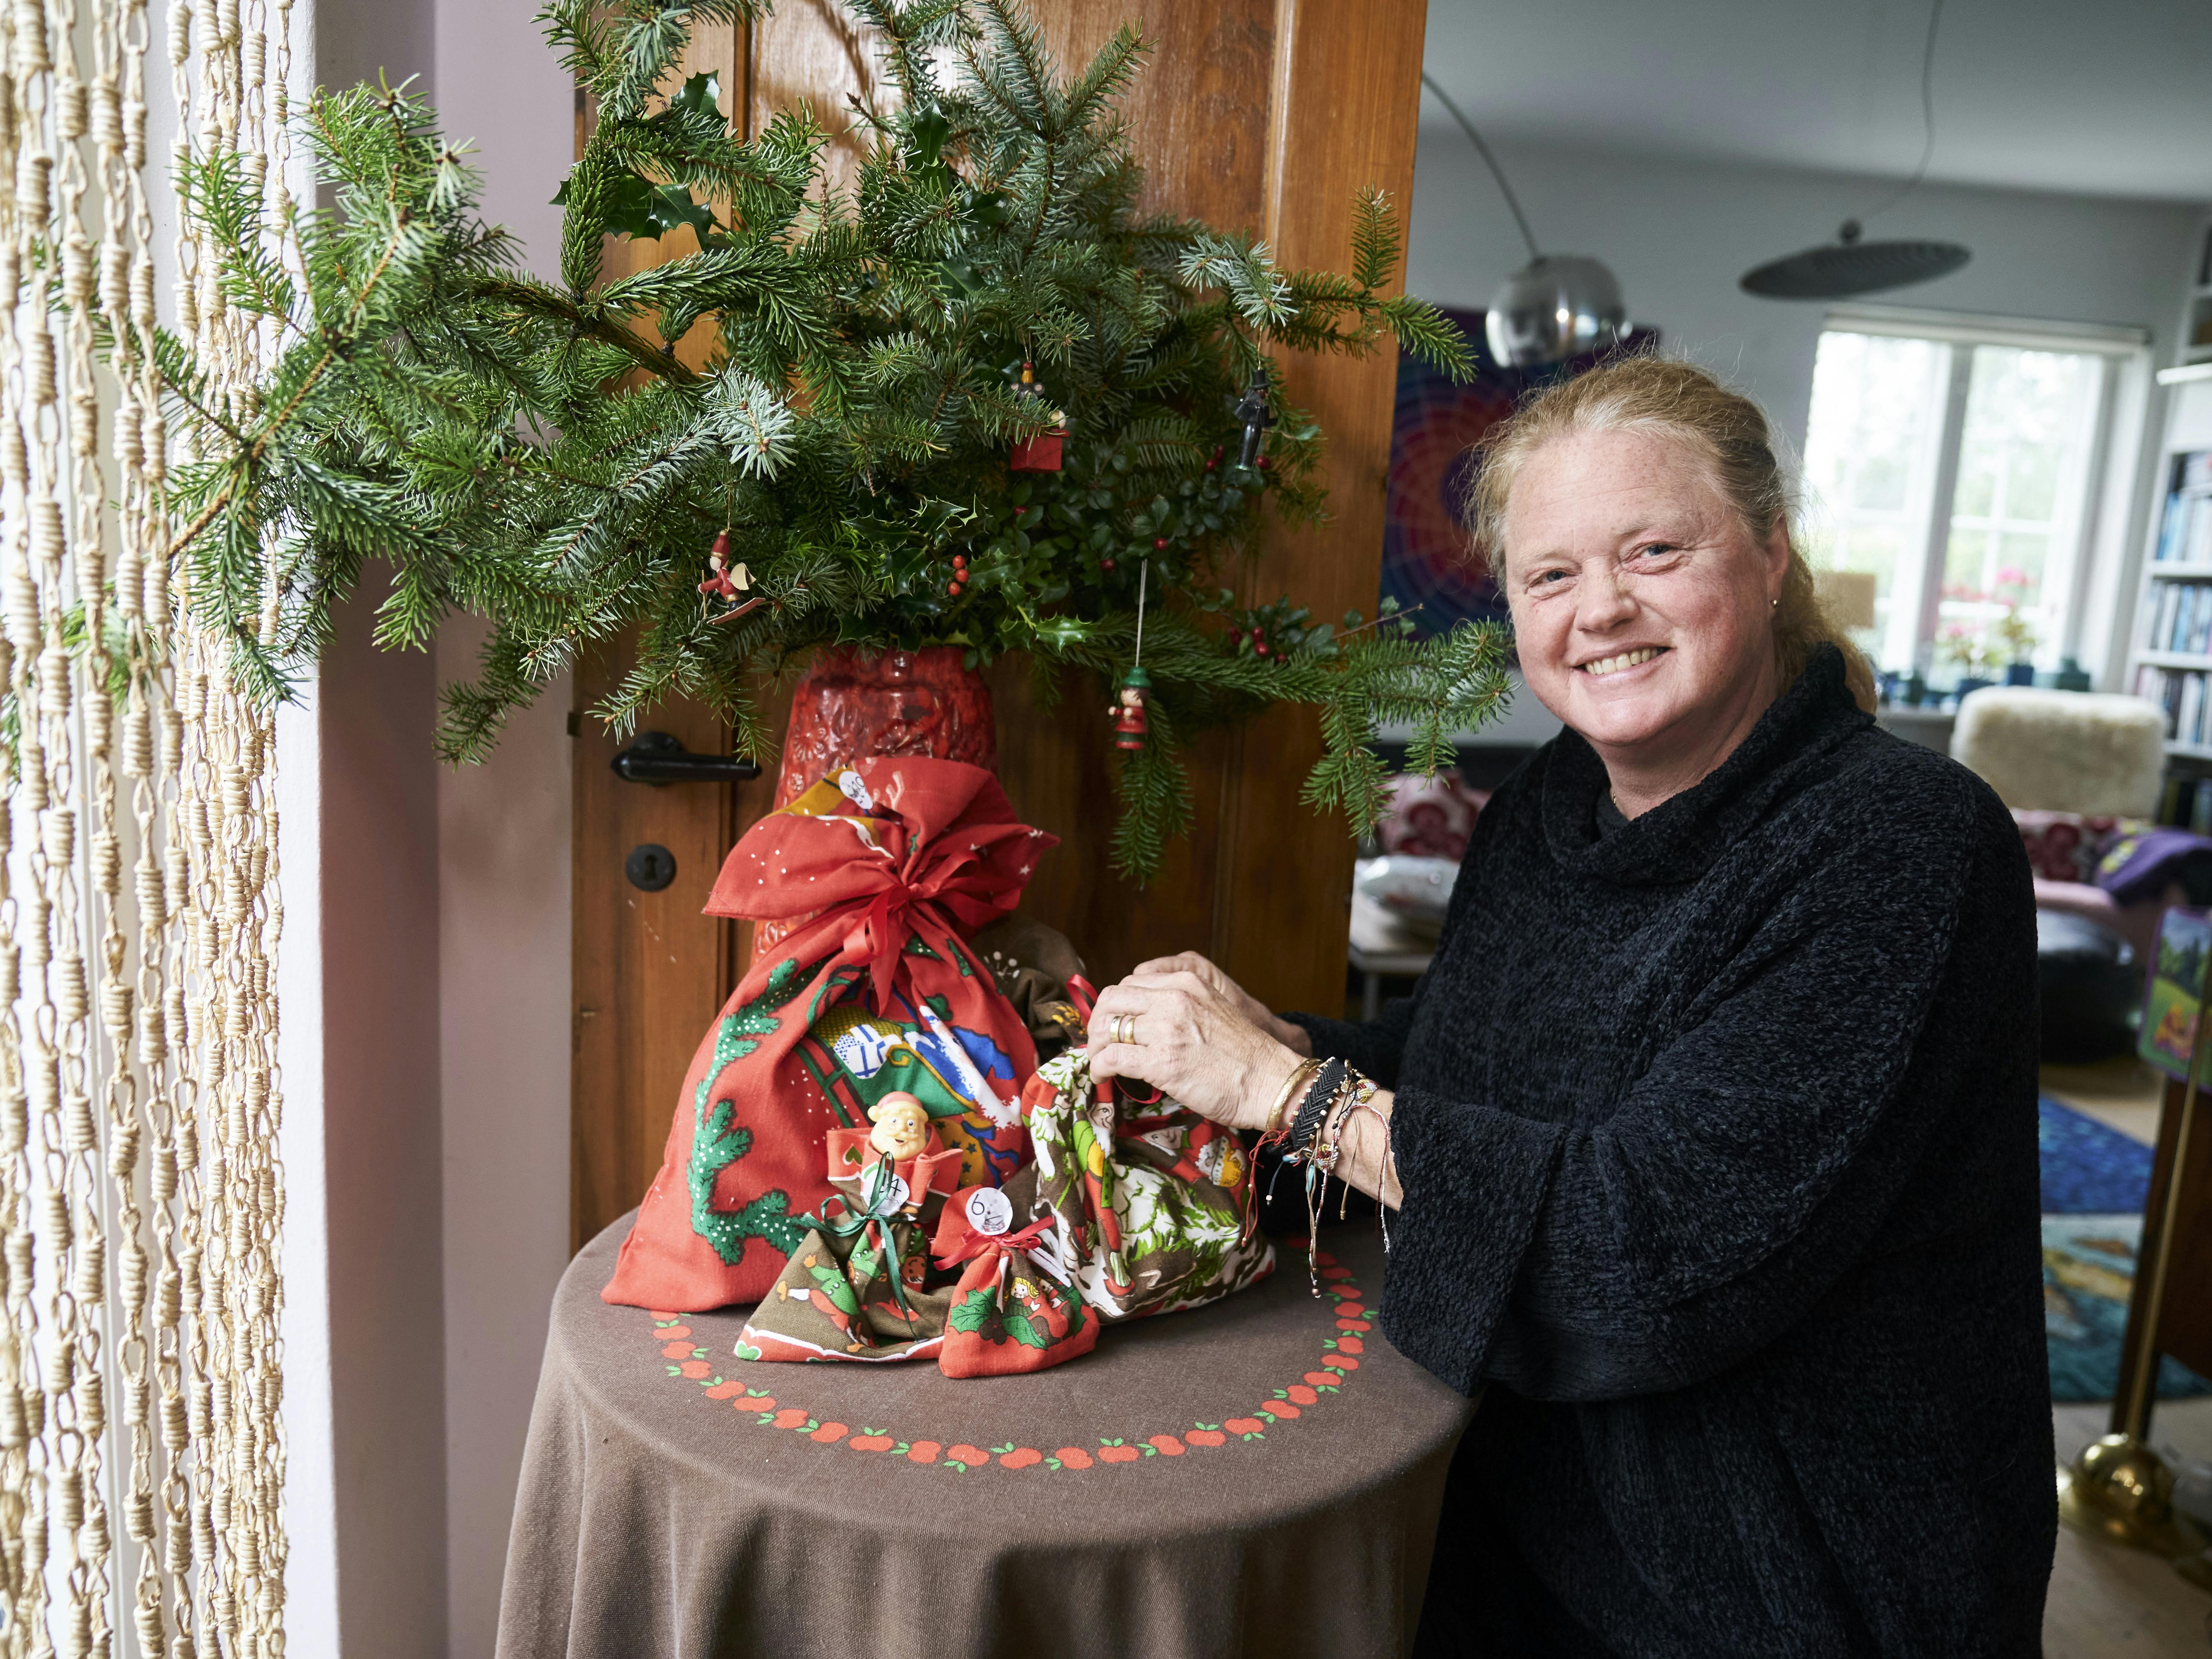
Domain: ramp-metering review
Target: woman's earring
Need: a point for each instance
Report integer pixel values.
(1774, 604)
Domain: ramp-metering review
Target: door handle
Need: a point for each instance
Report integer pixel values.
(659, 759)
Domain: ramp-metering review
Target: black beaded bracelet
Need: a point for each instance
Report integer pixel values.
(1314, 1107)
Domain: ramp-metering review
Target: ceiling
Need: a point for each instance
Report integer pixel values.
(2109, 99)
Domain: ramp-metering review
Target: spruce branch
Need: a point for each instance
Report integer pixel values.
(533, 453)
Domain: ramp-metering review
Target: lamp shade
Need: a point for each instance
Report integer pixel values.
(1557, 306)
(1846, 597)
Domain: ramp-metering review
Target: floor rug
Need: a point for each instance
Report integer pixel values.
(2088, 1268)
(2089, 1168)
(2094, 1182)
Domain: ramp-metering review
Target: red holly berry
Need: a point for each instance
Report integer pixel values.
(1119, 1454)
(1105, 564)
(1263, 464)
(953, 589)
(1260, 649)
(1160, 543)
(1019, 511)
(959, 560)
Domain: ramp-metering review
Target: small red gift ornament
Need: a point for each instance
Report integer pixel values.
(1128, 709)
(1042, 452)
(1007, 1314)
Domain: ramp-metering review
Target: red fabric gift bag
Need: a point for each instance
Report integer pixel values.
(883, 868)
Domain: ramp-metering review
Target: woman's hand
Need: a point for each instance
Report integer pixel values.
(1196, 1036)
(1296, 1037)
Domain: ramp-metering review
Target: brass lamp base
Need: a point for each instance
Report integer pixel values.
(2120, 1489)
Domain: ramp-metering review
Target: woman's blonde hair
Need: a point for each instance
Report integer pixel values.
(1679, 401)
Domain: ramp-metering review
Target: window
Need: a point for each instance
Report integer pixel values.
(1961, 464)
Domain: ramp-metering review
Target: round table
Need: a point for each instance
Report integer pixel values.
(1261, 1476)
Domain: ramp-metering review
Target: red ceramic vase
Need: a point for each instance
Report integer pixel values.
(849, 706)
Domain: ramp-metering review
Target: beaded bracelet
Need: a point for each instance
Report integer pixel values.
(1365, 1104)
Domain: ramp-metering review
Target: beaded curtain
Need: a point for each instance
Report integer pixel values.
(142, 1456)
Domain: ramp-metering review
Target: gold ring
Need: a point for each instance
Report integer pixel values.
(1125, 1030)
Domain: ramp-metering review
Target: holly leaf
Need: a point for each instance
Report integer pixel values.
(1030, 1333)
(701, 96)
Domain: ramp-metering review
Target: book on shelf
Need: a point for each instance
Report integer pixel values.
(2184, 694)
(2185, 534)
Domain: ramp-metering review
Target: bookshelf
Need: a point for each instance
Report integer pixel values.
(2170, 654)
(2172, 664)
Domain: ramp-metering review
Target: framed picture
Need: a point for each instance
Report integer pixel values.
(1427, 567)
(2175, 1001)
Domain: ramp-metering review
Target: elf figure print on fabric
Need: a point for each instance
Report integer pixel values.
(964, 1079)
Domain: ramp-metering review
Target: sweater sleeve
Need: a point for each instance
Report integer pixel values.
(1372, 1046)
(1747, 1167)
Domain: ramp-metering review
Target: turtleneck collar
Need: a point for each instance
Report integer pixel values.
(1677, 839)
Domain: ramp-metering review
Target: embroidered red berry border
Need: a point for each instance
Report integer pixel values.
(1340, 1359)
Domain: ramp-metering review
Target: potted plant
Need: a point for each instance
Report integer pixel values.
(1967, 646)
(2012, 634)
(967, 404)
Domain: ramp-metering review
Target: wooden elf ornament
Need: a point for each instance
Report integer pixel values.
(1042, 452)
(1127, 711)
(725, 588)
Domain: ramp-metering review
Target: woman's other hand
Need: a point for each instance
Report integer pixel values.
(1196, 1037)
(1296, 1037)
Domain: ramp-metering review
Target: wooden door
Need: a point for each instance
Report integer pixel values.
(1261, 115)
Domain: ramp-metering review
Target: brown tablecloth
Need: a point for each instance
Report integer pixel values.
(1259, 1477)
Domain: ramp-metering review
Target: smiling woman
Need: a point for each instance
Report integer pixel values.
(1659, 602)
(1711, 1132)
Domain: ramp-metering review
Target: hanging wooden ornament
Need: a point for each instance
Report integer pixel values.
(727, 588)
(1252, 410)
(1042, 452)
(1128, 709)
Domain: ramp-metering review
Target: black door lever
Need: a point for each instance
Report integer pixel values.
(657, 758)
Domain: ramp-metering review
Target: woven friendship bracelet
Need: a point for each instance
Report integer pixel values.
(1319, 1098)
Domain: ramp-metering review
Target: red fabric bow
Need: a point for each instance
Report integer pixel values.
(975, 1243)
(912, 846)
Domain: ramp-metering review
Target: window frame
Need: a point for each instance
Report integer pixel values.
(2087, 569)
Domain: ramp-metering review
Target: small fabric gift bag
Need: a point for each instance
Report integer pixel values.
(853, 1289)
(885, 867)
(1004, 1315)
(1149, 1200)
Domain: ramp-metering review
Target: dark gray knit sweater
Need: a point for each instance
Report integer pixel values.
(1717, 1134)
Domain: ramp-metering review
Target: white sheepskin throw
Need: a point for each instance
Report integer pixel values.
(2063, 751)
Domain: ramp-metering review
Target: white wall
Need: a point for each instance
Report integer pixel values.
(1679, 233)
(503, 858)
(424, 987)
